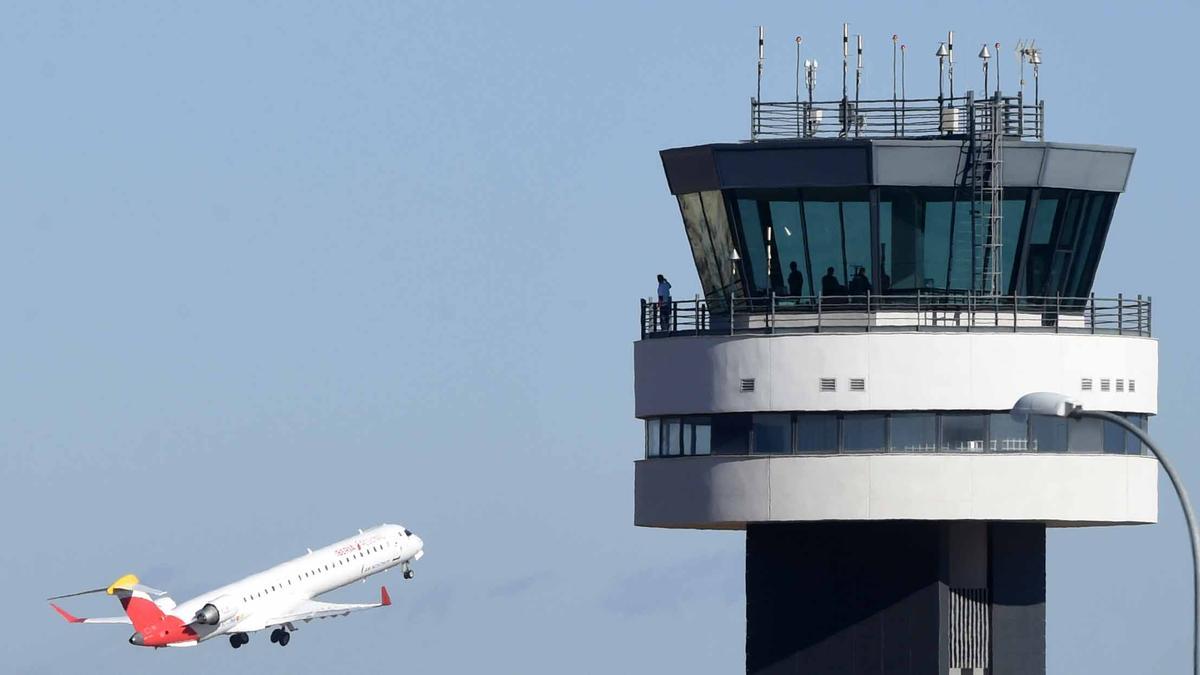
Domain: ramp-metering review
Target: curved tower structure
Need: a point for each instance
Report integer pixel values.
(882, 281)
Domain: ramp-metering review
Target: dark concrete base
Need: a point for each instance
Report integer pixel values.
(885, 598)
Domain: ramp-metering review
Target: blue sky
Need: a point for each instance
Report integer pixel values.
(275, 271)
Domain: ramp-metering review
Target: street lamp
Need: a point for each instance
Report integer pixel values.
(1058, 405)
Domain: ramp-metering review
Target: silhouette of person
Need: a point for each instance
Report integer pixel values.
(795, 281)
(860, 284)
(664, 302)
(830, 284)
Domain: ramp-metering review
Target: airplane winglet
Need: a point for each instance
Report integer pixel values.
(65, 614)
(385, 600)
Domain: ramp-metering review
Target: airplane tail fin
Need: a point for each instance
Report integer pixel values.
(135, 599)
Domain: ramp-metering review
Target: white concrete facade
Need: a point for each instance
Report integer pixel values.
(1061, 490)
(900, 370)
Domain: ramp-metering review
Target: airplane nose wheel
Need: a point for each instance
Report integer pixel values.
(281, 637)
(408, 571)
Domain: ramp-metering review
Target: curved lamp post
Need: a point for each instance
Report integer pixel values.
(1058, 405)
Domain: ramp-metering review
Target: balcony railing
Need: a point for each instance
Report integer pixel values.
(896, 313)
(895, 118)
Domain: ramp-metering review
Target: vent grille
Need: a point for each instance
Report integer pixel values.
(858, 384)
(1105, 384)
(1085, 384)
(747, 384)
(970, 628)
(828, 384)
(1131, 385)
(1120, 384)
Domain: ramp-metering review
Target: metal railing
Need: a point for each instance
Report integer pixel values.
(942, 312)
(893, 118)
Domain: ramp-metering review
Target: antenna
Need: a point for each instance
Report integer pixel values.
(903, 93)
(858, 77)
(798, 41)
(845, 55)
(997, 46)
(950, 57)
(895, 39)
(985, 56)
(1020, 52)
(761, 35)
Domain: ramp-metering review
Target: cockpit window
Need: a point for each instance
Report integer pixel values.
(407, 533)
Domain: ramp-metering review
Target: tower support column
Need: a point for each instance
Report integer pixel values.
(895, 598)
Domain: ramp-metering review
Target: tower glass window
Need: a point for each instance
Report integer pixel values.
(864, 432)
(816, 433)
(772, 434)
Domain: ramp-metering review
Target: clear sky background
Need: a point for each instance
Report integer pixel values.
(273, 271)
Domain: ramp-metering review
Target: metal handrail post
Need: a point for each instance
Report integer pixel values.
(1149, 312)
(868, 317)
(819, 297)
(1120, 314)
(731, 313)
(918, 309)
(643, 322)
(1139, 313)
(1057, 310)
(1092, 301)
(771, 328)
(1016, 311)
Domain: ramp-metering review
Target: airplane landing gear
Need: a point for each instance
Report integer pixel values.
(238, 639)
(408, 571)
(281, 637)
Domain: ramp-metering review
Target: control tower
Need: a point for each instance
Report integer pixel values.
(882, 280)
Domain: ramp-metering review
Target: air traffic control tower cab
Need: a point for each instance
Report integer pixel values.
(882, 280)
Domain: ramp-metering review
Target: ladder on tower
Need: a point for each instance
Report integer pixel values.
(980, 180)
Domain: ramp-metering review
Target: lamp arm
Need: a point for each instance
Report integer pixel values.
(1188, 514)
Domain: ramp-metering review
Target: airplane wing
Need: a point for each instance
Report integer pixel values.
(76, 619)
(308, 610)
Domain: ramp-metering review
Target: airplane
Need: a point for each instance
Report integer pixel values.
(276, 598)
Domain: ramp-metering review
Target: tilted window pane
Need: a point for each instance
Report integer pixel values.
(825, 246)
(1014, 217)
(788, 234)
(773, 434)
(963, 432)
(816, 433)
(1007, 434)
(914, 432)
(864, 433)
(1048, 434)
(701, 241)
(1037, 267)
(653, 442)
(754, 258)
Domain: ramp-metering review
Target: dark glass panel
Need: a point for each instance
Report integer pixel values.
(731, 434)
(754, 258)
(795, 278)
(816, 433)
(1007, 434)
(1090, 242)
(864, 432)
(1085, 435)
(838, 224)
(1048, 434)
(963, 432)
(914, 432)
(1041, 251)
(773, 434)
(1015, 201)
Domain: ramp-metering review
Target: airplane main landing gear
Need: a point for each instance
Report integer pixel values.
(281, 637)
(408, 571)
(238, 639)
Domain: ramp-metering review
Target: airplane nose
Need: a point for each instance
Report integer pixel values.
(137, 639)
(420, 544)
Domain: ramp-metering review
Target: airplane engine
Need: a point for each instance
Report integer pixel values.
(217, 611)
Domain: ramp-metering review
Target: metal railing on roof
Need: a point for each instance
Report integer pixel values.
(893, 118)
(940, 312)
